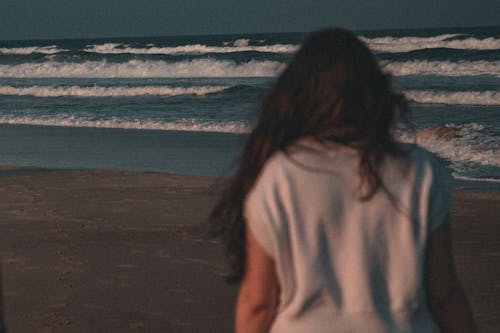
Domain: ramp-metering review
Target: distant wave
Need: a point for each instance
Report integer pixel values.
(97, 91)
(178, 125)
(238, 46)
(208, 67)
(405, 44)
(379, 44)
(443, 68)
(454, 98)
(490, 98)
(50, 49)
(139, 68)
(441, 54)
(243, 42)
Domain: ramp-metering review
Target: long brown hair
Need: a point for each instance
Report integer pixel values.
(332, 89)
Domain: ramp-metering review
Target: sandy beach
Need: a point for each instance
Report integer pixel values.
(111, 251)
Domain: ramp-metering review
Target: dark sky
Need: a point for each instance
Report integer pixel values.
(32, 19)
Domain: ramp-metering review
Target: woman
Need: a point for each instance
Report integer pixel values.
(330, 224)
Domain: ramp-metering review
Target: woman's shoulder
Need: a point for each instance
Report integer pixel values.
(427, 166)
(419, 154)
(271, 170)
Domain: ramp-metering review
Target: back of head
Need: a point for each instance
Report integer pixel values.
(332, 89)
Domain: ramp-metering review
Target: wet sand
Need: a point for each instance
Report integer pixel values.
(109, 251)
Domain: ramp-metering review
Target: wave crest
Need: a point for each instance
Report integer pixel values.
(238, 46)
(443, 68)
(193, 125)
(208, 67)
(458, 144)
(379, 44)
(406, 44)
(50, 49)
(115, 91)
(490, 98)
(139, 68)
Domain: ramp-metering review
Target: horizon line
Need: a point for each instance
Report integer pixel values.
(244, 33)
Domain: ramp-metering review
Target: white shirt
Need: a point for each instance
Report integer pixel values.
(343, 264)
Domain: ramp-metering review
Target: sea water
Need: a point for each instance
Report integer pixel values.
(184, 104)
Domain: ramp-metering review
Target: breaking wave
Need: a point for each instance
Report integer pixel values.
(238, 46)
(458, 144)
(50, 49)
(490, 98)
(139, 68)
(208, 67)
(194, 125)
(443, 68)
(379, 44)
(115, 91)
(406, 44)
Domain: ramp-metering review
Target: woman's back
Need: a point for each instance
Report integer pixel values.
(356, 263)
(327, 238)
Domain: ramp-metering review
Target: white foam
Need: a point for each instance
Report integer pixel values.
(380, 44)
(139, 68)
(240, 45)
(489, 180)
(51, 49)
(179, 125)
(209, 67)
(241, 42)
(423, 97)
(444, 68)
(97, 91)
(406, 44)
(454, 98)
(244, 42)
(459, 144)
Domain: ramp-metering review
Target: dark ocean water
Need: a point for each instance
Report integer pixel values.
(61, 101)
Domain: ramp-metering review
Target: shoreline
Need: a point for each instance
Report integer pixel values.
(74, 148)
(108, 251)
(211, 154)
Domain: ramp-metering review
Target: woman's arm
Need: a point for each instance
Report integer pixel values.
(259, 290)
(446, 298)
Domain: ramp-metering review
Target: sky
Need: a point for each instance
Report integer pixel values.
(48, 19)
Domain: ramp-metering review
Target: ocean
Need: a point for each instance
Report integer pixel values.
(184, 104)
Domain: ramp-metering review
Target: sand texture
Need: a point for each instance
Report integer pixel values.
(109, 251)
